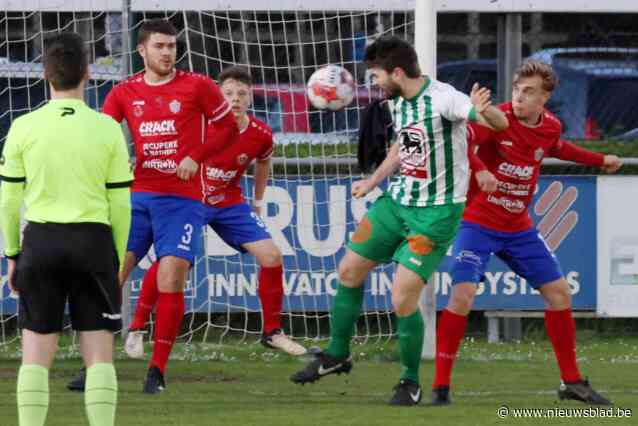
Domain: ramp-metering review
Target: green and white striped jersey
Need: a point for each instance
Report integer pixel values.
(431, 129)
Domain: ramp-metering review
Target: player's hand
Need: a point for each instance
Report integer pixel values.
(611, 164)
(11, 270)
(121, 278)
(480, 97)
(361, 188)
(187, 168)
(486, 181)
(257, 210)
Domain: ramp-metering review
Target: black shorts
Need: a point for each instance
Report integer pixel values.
(75, 262)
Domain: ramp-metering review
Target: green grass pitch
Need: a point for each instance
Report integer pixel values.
(244, 384)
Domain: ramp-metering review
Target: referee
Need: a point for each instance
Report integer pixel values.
(69, 165)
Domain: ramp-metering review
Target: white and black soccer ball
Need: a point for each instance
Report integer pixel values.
(330, 87)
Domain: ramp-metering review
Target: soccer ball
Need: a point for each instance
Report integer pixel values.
(330, 87)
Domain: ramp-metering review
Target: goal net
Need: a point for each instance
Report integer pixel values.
(309, 210)
(308, 207)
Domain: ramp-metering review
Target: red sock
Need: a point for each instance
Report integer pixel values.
(271, 296)
(148, 298)
(561, 330)
(170, 311)
(449, 334)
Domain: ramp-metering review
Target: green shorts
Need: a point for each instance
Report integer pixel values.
(415, 237)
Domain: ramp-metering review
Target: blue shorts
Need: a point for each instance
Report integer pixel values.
(172, 224)
(236, 225)
(524, 252)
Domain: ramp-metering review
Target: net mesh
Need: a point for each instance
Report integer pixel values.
(310, 213)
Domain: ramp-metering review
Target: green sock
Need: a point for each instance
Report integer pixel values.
(33, 394)
(410, 345)
(345, 312)
(100, 396)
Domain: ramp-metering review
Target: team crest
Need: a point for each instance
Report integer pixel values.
(175, 106)
(242, 158)
(538, 154)
(138, 111)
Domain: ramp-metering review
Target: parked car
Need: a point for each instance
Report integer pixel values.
(596, 95)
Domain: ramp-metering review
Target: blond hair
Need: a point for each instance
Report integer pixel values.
(532, 68)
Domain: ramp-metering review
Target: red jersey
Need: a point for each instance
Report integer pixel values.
(223, 172)
(514, 157)
(166, 122)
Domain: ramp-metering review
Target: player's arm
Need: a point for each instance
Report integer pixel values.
(485, 113)
(262, 172)
(221, 128)
(11, 196)
(389, 166)
(118, 194)
(474, 108)
(486, 180)
(569, 151)
(112, 105)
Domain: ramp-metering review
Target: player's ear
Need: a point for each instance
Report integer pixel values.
(397, 73)
(141, 50)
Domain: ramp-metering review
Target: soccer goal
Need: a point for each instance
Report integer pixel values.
(309, 210)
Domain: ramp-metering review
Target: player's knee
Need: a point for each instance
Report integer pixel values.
(462, 298)
(403, 305)
(557, 295)
(348, 274)
(171, 280)
(271, 258)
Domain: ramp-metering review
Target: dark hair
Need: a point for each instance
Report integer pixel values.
(155, 26)
(530, 68)
(65, 61)
(390, 52)
(236, 73)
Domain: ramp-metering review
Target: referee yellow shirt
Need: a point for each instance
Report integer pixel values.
(69, 157)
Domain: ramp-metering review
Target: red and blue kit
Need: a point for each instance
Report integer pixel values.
(226, 210)
(168, 122)
(499, 222)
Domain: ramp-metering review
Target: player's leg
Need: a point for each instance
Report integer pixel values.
(147, 299)
(430, 233)
(100, 396)
(374, 241)
(346, 309)
(271, 296)
(177, 224)
(42, 299)
(94, 306)
(38, 351)
(149, 293)
(471, 252)
(241, 228)
(406, 292)
(530, 257)
(140, 235)
(139, 243)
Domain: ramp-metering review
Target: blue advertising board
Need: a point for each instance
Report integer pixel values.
(311, 219)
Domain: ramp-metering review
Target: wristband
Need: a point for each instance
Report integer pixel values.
(258, 203)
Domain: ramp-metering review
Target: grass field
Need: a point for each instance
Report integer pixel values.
(246, 385)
